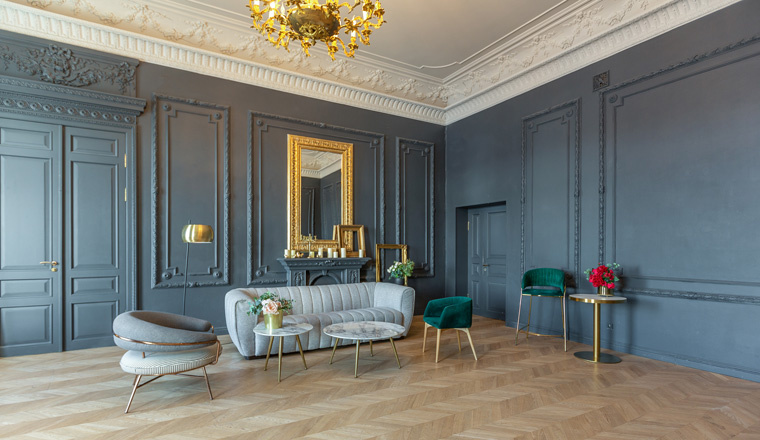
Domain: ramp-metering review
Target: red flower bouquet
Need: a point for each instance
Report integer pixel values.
(603, 275)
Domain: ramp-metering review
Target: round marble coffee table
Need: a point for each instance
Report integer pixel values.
(286, 330)
(364, 331)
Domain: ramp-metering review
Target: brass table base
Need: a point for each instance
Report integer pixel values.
(604, 358)
(279, 356)
(356, 362)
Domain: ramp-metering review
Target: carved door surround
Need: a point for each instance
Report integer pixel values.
(88, 141)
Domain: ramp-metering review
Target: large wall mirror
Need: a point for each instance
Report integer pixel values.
(320, 190)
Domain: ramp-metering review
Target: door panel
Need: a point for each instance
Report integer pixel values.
(95, 267)
(30, 232)
(487, 273)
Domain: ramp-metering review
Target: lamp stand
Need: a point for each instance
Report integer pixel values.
(184, 286)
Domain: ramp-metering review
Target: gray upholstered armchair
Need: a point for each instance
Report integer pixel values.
(159, 344)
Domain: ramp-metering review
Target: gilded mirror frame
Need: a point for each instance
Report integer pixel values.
(295, 145)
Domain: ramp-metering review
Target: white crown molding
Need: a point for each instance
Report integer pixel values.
(168, 33)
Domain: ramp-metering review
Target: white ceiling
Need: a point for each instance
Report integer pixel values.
(435, 60)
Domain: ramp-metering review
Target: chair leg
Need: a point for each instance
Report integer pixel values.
(466, 330)
(564, 321)
(424, 336)
(517, 327)
(208, 385)
(459, 341)
(134, 389)
(437, 344)
(530, 310)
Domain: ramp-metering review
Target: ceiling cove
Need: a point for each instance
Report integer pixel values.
(429, 74)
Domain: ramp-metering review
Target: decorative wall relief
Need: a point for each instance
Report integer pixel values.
(30, 58)
(415, 202)
(550, 202)
(189, 182)
(268, 192)
(687, 125)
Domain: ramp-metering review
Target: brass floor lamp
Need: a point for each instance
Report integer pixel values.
(194, 234)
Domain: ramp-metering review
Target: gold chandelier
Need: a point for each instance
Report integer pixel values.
(309, 21)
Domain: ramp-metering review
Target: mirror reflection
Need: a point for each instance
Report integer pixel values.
(320, 193)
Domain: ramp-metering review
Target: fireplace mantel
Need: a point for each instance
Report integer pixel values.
(310, 271)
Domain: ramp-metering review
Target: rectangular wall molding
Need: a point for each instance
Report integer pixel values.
(415, 202)
(189, 181)
(691, 177)
(550, 189)
(267, 188)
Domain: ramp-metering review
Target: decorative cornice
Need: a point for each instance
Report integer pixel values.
(162, 33)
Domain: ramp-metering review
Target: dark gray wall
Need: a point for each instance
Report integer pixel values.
(657, 171)
(191, 116)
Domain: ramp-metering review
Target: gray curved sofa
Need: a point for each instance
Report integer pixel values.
(319, 306)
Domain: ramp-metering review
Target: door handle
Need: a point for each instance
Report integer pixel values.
(486, 265)
(52, 263)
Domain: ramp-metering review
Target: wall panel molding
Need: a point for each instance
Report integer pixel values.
(568, 115)
(262, 265)
(612, 107)
(422, 208)
(164, 227)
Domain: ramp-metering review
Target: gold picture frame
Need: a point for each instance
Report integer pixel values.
(344, 234)
(378, 257)
(296, 143)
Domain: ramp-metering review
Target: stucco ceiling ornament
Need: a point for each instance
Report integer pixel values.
(170, 33)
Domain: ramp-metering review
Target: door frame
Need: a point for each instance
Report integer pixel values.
(461, 247)
(46, 103)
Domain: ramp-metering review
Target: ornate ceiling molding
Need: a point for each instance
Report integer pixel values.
(222, 45)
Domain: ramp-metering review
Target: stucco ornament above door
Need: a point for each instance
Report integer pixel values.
(215, 38)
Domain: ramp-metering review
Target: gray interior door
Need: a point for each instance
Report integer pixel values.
(95, 235)
(30, 233)
(62, 236)
(487, 271)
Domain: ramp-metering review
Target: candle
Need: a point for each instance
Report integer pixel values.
(342, 252)
(287, 253)
(335, 254)
(292, 253)
(319, 252)
(361, 253)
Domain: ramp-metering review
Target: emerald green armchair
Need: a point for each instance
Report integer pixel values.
(445, 313)
(542, 282)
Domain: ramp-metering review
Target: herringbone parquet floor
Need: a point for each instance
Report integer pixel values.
(531, 391)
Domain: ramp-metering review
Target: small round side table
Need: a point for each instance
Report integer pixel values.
(286, 330)
(597, 300)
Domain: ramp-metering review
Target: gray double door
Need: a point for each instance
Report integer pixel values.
(487, 260)
(62, 235)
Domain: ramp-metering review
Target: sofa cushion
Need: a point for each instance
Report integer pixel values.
(315, 338)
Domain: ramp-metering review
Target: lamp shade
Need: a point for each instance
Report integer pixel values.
(197, 234)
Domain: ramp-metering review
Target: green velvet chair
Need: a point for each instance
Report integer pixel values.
(445, 313)
(545, 282)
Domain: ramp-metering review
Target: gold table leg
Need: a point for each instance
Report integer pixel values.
(301, 350)
(334, 347)
(356, 364)
(269, 350)
(395, 352)
(596, 356)
(279, 362)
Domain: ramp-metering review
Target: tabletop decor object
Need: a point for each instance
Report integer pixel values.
(273, 308)
(399, 270)
(603, 277)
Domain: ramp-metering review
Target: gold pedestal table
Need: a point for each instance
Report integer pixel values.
(364, 331)
(597, 301)
(286, 330)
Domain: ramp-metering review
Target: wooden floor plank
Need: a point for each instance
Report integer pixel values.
(534, 390)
